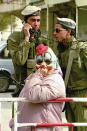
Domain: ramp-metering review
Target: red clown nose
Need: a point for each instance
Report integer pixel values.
(42, 66)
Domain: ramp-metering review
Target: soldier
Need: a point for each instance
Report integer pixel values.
(21, 45)
(72, 55)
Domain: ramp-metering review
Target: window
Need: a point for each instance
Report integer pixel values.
(34, 0)
(82, 23)
(6, 1)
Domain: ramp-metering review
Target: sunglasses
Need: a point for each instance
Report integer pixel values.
(44, 58)
(58, 30)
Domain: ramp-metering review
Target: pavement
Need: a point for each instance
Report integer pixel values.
(6, 113)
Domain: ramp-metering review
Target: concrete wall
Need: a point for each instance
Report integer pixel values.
(80, 3)
(9, 6)
(53, 2)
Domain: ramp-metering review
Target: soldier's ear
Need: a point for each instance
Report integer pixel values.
(69, 31)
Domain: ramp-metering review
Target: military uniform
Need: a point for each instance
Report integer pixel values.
(23, 52)
(77, 83)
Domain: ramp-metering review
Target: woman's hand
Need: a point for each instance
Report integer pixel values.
(44, 71)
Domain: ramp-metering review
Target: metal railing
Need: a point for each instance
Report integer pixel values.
(35, 125)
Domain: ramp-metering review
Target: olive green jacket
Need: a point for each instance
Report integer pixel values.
(21, 51)
(78, 74)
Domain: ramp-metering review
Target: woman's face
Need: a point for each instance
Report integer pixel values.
(44, 63)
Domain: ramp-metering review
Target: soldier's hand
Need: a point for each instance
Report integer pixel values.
(27, 27)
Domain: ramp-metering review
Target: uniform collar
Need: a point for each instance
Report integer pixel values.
(62, 46)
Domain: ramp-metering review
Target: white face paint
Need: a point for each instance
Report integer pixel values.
(44, 62)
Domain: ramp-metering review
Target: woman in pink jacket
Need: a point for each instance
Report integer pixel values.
(40, 87)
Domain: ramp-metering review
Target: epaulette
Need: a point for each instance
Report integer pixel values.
(12, 39)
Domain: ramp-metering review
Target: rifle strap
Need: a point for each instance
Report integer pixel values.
(69, 65)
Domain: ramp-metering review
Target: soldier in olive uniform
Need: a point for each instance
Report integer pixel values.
(21, 45)
(72, 55)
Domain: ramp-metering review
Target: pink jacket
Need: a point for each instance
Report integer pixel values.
(38, 90)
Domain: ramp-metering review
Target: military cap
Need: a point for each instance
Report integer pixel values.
(66, 22)
(30, 10)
